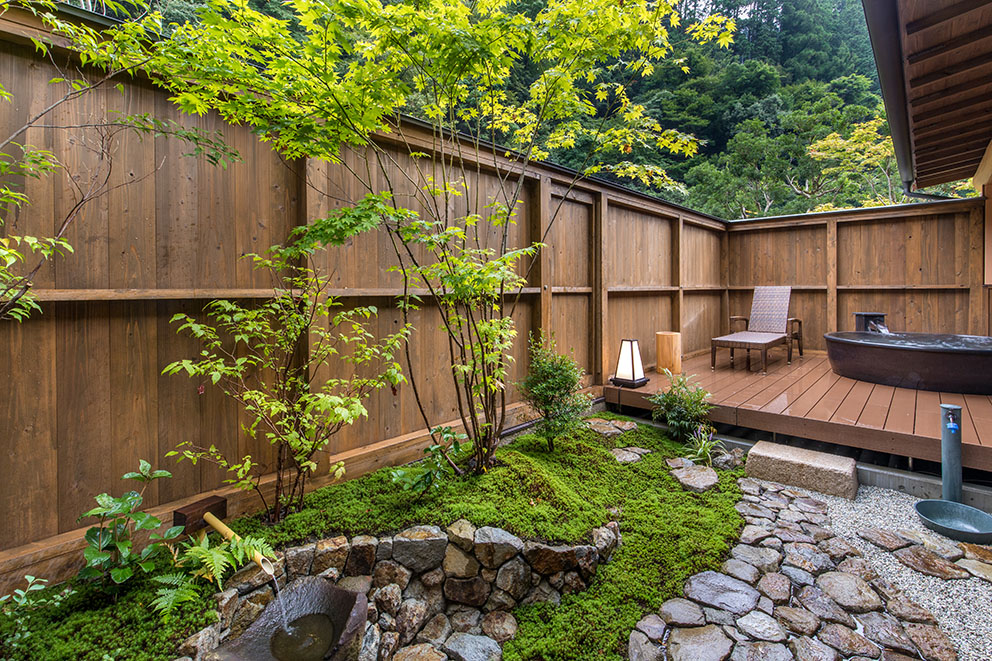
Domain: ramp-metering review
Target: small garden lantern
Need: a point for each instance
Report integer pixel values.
(630, 372)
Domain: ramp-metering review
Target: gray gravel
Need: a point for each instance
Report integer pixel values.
(962, 607)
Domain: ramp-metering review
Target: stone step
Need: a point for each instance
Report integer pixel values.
(798, 467)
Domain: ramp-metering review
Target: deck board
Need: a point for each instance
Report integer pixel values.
(808, 399)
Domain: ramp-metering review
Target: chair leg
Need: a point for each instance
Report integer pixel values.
(764, 361)
(790, 351)
(748, 362)
(713, 357)
(800, 338)
(731, 356)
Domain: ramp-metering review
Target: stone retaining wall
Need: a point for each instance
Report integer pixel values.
(431, 591)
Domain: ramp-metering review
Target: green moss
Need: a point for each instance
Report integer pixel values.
(668, 533)
(91, 625)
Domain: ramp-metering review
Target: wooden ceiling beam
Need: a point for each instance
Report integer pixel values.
(951, 70)
(977, 129)
(963, 156)
(951, 44)
(945, 14)
(946, 174)
(950, 107)
(966, 86)
(942, 128)
(955, 117)
(957, 148)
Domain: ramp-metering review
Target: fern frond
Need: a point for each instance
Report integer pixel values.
(178, 590)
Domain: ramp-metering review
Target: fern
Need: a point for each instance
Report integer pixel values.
(209, 562)
(176, 589)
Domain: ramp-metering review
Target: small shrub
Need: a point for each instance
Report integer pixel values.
(439, 463)
(552, 388)
(683, 407)
(109, 551)
(17, 606)
(702, 444)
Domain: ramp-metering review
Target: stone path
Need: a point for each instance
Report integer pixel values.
(791, 589)
(932, 556)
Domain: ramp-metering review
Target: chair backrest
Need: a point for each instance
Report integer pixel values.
(770, 309)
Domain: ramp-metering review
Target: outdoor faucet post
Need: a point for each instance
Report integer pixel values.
(950, 452)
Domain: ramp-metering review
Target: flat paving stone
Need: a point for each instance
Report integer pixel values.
(762, 627)
(797, 620)
(763, 558)
(680, 612)
(818, 603)
(809, 649)
(931, 642)
(776, 587)
(696, 478)
(699, 643)
(761, 651)
(886, 630)
(976, 568)
(976, 552)
(721, 591)
(883, 539)
(851, 592)
(741, 570)
(929, 563)
(847, 641)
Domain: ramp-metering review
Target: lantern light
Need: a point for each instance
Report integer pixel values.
(630, 372)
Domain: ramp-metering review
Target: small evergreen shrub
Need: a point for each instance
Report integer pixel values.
(683, 407)
(552, 388)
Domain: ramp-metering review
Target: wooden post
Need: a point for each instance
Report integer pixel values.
(601, 353)
(725, 281)
(539, 224)
(669, 349)
(678, 306)
(977, 312)
(832, 275)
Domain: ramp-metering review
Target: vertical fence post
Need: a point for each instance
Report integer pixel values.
(831, 275)
(540, 219)
(725, 281)
(678, 300)
(601, 359)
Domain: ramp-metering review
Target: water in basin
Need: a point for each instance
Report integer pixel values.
(306, 639)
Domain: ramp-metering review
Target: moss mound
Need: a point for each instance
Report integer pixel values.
(668, 534)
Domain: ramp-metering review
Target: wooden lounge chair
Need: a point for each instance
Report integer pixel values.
(768, 326)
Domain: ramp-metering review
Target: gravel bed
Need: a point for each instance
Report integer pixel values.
(962, 607)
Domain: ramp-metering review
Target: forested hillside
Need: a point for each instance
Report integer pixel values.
(789, 116)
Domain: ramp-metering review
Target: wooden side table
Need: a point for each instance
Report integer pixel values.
(669, 346)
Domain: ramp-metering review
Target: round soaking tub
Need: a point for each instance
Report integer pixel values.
(950, 363)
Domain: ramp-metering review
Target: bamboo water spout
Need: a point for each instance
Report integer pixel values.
(227, 533)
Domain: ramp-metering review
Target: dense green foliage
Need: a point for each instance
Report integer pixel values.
(682, 406)
(552, 387)
(90, 625)
(668, 533)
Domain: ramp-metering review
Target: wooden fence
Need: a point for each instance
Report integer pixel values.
(921, 264)
(84, 397)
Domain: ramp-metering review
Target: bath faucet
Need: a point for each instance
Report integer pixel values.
(878, 327)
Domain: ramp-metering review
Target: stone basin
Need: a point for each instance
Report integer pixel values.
(305, 596)
(956, 520)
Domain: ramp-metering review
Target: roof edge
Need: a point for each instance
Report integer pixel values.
(882, 17)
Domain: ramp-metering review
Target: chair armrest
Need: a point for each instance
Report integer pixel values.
(795, 325)
(735, 317)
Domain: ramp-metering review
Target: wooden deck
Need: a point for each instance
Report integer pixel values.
(807, 399)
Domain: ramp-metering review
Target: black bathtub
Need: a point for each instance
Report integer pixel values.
(951, 363)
